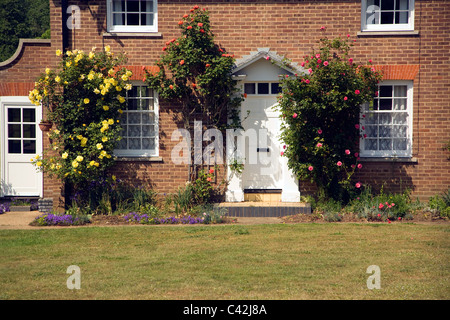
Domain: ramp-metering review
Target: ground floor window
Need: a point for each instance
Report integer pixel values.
(139, 123)
(387, 122)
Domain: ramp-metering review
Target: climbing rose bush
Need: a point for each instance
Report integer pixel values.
(195, 73)
(321, 117)
(84, 98)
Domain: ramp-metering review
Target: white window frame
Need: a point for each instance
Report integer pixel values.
(143, 152)
(387, 27)
(409, 132)
(124, 28)
(257, 83)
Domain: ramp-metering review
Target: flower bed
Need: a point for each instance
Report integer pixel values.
(134, 217)
(50, 219)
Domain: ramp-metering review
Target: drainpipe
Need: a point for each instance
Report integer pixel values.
(65, 33)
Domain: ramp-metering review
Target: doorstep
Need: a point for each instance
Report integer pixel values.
(265, 208)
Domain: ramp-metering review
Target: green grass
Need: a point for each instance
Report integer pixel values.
(285, 261)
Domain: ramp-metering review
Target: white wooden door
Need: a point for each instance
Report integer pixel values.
(21, 141)
(263, 168)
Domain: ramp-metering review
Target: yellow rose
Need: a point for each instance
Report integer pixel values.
(99, 146)
(65, 155)
(79, 158)
(47, 70)
(107, 48)
(39, 163)
(104, 139)
(106, 108)
(74, 163)
(86, 100)
(58, 52)
(110, 121)
(121, 99)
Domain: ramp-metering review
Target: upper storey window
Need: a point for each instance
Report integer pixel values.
(132, 15)
(387, 15)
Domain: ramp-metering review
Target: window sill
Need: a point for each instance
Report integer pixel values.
(133, 34)
(139, 159)
(387, 33)
(390, 159)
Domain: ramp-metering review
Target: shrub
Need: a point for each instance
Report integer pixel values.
(321, 117)
(440, 204)
(83, 98)
(382, 206)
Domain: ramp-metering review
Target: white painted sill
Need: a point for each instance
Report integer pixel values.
(413, 160)
(133, 34)
(387, 33)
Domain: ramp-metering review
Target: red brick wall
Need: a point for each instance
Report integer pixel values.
(292, 28)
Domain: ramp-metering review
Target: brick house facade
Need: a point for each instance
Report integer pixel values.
(411, 51)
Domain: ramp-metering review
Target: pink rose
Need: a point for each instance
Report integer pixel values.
(318, 55)
(339, 163)
(357, 126)
(359, 165)
(358, 185)
(294, 115)
(319, 145)
(309, 70)
(319, 131)
(356, 154)
(357, 91)
(200, 24)
(345, 98)
(325, 63)
(310, 168)
(303, 64)
(347, 151)
(282, 152)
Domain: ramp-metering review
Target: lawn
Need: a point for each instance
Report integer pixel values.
(279, 261)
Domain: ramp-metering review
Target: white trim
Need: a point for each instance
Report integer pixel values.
(409, 109)
(387, 27)
(19, 101)
(111, 28)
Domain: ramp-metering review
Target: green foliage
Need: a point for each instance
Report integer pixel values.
(196, 73)
(22, 19)
(84, 98)
(321, 117)
(440, 204)
(193, 195)
(382, 206)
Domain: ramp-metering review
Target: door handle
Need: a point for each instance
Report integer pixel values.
(262, 149)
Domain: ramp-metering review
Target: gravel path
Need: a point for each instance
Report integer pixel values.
(18, 219)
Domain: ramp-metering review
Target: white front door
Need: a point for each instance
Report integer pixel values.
(263, 168)
(21, 141)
